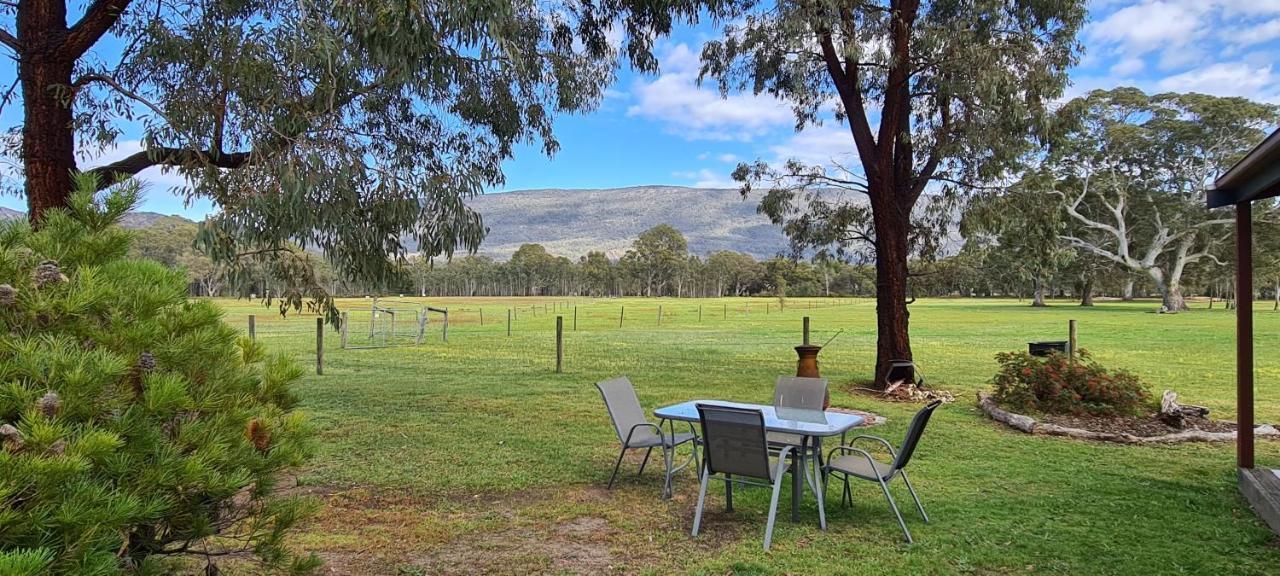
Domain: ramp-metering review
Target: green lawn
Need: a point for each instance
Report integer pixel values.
(474, 456)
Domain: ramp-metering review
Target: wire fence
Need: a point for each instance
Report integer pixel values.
(591, 332)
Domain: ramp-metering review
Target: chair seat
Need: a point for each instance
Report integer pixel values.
(858, 465)
(647, 438)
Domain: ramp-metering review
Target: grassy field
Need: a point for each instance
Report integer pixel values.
(473, 456)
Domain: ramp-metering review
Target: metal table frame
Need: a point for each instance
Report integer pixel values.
(809, 424)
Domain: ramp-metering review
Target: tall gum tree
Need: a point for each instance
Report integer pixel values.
(344, 125)
(1132, 170)
(935, 95)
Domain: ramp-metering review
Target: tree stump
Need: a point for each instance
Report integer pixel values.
(1175, 414)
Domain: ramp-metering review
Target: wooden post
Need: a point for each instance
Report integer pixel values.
(659, 314)
(699, 313)
(1071, 341)
(482, 315)
(1244, 335)
(575, 318)
(444, 335)
(253, 329)
(621, 313)
(806, 330)
(726, 311)
(508, 321)
(559, 344)
(319, 346)
(343, 330)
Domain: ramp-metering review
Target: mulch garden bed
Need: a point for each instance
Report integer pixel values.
(1145, 427)
(1146, 430)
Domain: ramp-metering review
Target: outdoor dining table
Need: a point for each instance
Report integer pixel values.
(815, 424)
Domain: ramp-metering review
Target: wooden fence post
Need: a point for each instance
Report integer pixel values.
(699, 313)
(726, 311)
(559, 344)
(622, 312)
(806, 330)
(575, 318)
(482, 315)
(508, 321)
(444, 335)
(319, 346)
(343, 330)
(659, 314)
(253, 329)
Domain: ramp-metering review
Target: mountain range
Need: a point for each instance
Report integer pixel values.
(573, 222)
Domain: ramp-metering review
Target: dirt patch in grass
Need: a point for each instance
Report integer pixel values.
(575, 530)
(1145, 426)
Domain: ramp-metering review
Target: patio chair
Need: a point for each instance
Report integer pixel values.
(635, 432)
(806, 394)
(858, 463)
(734, 447)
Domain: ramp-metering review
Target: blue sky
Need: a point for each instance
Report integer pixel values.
(665, 129)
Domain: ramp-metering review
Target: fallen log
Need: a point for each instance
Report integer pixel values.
(1032, 426)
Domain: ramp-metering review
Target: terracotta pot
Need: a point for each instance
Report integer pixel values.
(807, 367)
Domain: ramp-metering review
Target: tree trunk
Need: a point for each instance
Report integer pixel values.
(1086, 292)
(1037, 299)
(1127, 293)
(48, 135)
(892, 339)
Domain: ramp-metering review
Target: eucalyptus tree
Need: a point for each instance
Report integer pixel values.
(339, 124)
(1133, 170)
(660, 255)
(1021, 228)
(936, 96)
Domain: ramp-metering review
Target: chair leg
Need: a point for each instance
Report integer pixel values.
(894, 506)
(912, 490)
(820, 494)
(773, 506)
(702, 497)
(645, 461)
(846, 494)
(666, 479)
(616, 465)
(728, 493)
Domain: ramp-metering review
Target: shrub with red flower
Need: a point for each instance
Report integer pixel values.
(1054, 385)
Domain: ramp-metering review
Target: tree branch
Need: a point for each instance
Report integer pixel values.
(98, 18)
(166, 156)
(10, 40)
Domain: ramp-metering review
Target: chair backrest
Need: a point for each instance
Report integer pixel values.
(624, 408)
(798, 392)
(734, 441)
(918, 423)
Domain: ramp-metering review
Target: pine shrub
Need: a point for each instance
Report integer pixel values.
(138, 429)
(1054, 385)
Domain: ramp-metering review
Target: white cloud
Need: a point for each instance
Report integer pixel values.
(1256, 34)
(727, 158)
(827, 145)
(694, 112)
(1226, 79)
(1128, 66)
(705, 178)
(1149, 26)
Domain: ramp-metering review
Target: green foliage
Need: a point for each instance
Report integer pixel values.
(1055, 385)
(141, 426)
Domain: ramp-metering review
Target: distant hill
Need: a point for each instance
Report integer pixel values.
(572, 222)
(130, 220)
